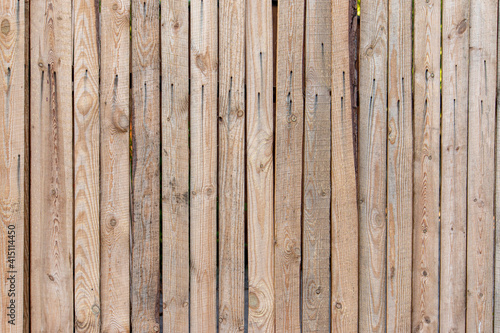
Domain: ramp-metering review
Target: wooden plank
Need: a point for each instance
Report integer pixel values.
(344, 302)
(145, 166)
(231, 165)
(455, 80)
(481, 165)
(317, 174)
(288, 151)
(27, 125)
(175, 164)
(86, 165)
(12, 166)
(260, 166)
(115, 166)
(52, 176)
(203, 130)
(427, 118)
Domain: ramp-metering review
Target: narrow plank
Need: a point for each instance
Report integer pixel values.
(115, 166)
(231, 165)
(481, 165)
(52, 177)
(427, 118)
(145, 286)
(260, 166)
(344, 210)
(175, 164)
(86, 165)
(317, 166)
(203, 130)
(455, 84)
(26, 287)
(496, 296)
(12, 166)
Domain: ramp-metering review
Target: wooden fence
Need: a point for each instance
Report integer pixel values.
(214, 166)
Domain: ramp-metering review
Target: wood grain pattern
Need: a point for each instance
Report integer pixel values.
(145, 166)
(260, 166)
(427, 118)
(344, 210)
(175, 164)
(52, 176)
(115, 166)
(455, 84)
(317, 166)
(232, 165)
(86, 165)
(12, 166)
(481, 165)
(496, 296)
(27, 125)
(203, 131)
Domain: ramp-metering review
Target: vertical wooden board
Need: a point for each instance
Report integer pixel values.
(86, 159)
(145, 166)
(175, 164)
(203, 131)
(115, 166)
(231, 165)
(372, 165)
(27, 125)
(316, 174)
(12, 165)
(52, 174)
(427, 118)
(260, 166)
(344, 303)
(496, 297)
(481, 164)
(455, 82)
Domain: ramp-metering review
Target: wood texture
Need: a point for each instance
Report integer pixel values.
(344, 210)
(455, 84)
(427, 118)
(481, 165)
(145, 287)
(260, 166)
(12, 166)
(52, 174)
(203, 131)
(232, 165)
(175, 164)
(317, 166)
(115, 166)
(27, 174)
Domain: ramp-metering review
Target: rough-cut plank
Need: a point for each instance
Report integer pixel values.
(26, 287)
(86, 159)
(231, 165)
(399, 168)
(145, 166)
(203, 131)
(288, 179)
(481, 164)
(427, 99)
(496, 305)
(317, 175)
(12, 165)
(52, 174)
(115, 166)
(455, 80)
(175, 164)
(260, 166)
(344, 302)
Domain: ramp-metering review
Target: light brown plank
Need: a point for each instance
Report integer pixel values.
(203, 131)
(115, 166)
(27, 125)
(496, 305)
(52, 174)
(231, 165)
(260, 166)
(427, 117)
(86, 164)
(317, 166)
(145, 166)
(12, 166)
(481, 165)
(175, 164)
